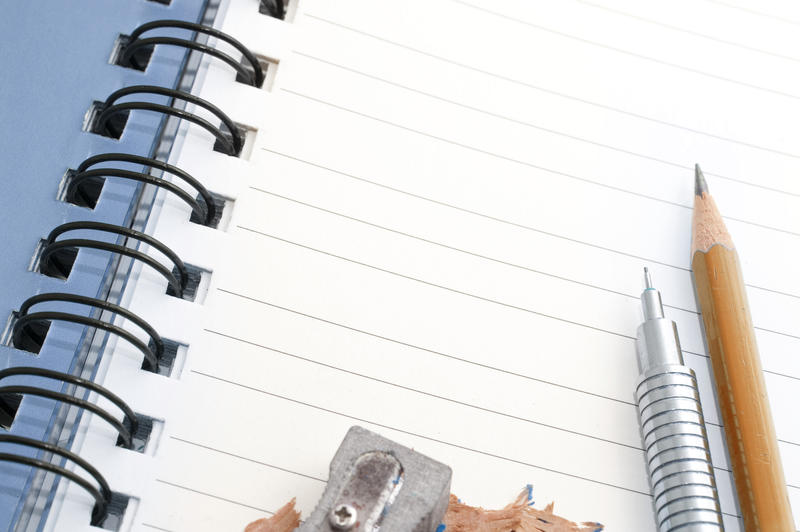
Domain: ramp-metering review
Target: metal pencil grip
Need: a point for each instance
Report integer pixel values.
(676, 450)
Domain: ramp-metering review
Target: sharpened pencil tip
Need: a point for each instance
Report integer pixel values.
(700, 185)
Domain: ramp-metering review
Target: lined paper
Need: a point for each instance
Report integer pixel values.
(440, 236)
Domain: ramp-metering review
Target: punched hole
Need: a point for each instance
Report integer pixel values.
(274, 8)
(221, 147)
(219, 208)
(166, 363)
(112, 128)
(195, 277)
(116, 511)
(31, 337)
(59, 264)
(138, 61)
(144, 427)
(267, 67)
(87, 194)
(9, 404)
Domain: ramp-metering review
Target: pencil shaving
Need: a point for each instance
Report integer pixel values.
(518, 516)
(285, 520)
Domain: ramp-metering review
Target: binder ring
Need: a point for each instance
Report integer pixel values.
(101, 494)
(83, 175)
(255, 78)
(124, 432)
(52, 246)
(25, 320)
(233, 146)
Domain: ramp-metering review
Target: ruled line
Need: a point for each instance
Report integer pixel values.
(630, 53)
(547, 169)
(429, 438)
(486, 216)
(501, 220)
(432, 395)
(508, 158)
(688, 31)
(773, 291)
(470, 295)
(547, 130)
(211, 495)
(777, 374)
(755, 12)
(154, 527)
(458, 358)
(559, 94)
(423, 349)
(461, 250)
(238, 456)
(442, 287)
(473, 148)
(492, 259)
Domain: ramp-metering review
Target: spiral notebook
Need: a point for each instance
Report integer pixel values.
(57, 61)
(430, 221)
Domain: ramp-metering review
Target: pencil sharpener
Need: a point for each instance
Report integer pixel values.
(375, 483)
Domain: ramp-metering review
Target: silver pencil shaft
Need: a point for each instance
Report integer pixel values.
(673, 430)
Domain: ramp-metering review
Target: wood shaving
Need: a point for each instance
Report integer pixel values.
(519, 516)
(284, 520)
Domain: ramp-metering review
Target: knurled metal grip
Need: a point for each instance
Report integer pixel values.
(676, 449)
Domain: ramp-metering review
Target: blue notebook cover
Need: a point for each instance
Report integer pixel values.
(56, 61)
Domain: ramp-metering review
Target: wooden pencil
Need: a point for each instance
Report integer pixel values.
(742, 394)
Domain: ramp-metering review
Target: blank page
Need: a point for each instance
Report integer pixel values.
(439, 235)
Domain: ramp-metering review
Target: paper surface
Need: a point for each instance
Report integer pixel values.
(440, 234)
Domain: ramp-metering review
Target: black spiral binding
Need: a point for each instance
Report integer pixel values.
(233, 142)
(25, 334)
(254, 75)
(51, 265)
(84, 179)
(101, 494)
(126, 428)
(57, 254)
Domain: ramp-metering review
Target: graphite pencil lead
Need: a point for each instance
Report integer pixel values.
(700, 185)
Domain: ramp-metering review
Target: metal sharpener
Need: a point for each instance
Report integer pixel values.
(377, 484)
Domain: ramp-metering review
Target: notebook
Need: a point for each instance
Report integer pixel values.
(56, 62)
(435, 228)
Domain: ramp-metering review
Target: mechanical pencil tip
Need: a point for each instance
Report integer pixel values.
(647, 280)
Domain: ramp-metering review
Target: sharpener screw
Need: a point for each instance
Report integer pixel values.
(343, 517)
